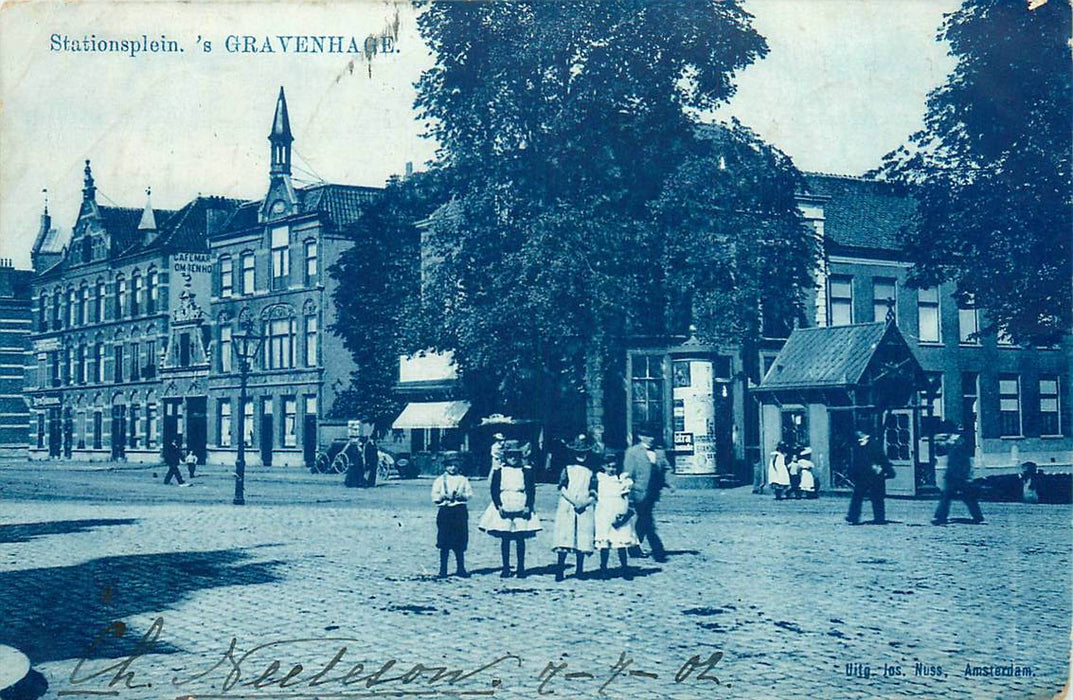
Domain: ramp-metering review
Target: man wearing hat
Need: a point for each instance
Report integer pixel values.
(958, 480)
(647, 468)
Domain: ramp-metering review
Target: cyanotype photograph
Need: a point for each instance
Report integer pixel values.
(521, 348)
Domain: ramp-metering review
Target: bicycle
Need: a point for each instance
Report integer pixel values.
(325, 463)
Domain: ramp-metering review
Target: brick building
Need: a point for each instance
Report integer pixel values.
(134, 320)
(14, 344)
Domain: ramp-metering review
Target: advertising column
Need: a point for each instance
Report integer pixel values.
(694, 417)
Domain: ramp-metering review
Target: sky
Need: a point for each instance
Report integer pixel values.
(844, 83)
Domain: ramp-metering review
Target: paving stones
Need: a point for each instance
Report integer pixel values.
(798, 603)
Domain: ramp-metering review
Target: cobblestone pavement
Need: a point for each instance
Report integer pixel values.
(797, 602)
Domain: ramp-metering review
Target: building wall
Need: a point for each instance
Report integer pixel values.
(79, 393)
(15, 320)
(951, 358)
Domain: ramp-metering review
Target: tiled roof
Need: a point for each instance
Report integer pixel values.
(121, 223)
(822, 357)
(50, 241)
(862, 213)
(339, 205)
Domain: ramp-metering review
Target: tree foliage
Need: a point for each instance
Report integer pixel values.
(991, 168)
(379, 276)
(587, 207)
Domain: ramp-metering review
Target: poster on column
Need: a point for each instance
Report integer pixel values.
(695, 401)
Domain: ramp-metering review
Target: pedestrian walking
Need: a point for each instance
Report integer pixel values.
(575, 525)
(869, 472)
(614, 518)
(172, 457)
(370, 457)
(1030, 482)
(958, 480)
(191, 463)
(808, 477)
(510, 517)
(647, 467)
(451, 492)
(778, 475)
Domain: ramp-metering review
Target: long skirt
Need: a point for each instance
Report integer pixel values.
(452, 528)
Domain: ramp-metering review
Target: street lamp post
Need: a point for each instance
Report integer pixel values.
(246, 345)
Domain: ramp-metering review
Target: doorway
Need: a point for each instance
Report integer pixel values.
(197, 426)
(119, 431)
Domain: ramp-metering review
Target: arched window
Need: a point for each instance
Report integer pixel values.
(57, 313)
(249, 280)
(100, 301)
(120, 296)
(227, 276)
(83, 304)
(72, 307)
(135, 294)
(151, 292)
(42, 313)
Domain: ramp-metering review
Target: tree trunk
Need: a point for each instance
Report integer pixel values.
(595, 366)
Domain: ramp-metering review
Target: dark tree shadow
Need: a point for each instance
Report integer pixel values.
(23, 532)
(680, 552)
(57, 612)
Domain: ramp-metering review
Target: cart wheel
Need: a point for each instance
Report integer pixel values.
(341, 463)
(383, 471)
(322, 464)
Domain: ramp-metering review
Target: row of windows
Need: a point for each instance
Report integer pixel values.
(288, 427)
(89, 304)
(279, 349)
(1012, 408)
(239, 277)
(85, 430)
(884, 297)
(85, 364)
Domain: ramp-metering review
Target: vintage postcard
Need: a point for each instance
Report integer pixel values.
(677, 349)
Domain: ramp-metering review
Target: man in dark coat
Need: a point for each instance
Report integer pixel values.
(172, 457)
(958, 481)
(647, 467)
(371, 457)
(869, 471)
(355, 470)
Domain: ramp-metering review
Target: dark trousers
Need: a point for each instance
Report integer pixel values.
(952, 490)
(646, 527)
(876, 490)
(173, 470)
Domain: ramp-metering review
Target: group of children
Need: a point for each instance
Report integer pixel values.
(790, 473)
(593, 512)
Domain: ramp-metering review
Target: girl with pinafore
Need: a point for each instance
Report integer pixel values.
(510, 516)
(614, 518)
(575, 528)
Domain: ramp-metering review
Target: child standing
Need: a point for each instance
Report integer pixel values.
(450, 492)
(778, 475)
(614, 519)
(510, 515)
(191, 463)
(574, 519)
(808, 478)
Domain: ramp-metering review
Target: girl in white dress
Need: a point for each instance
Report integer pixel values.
(574, 520)
(510, 515)
(614, 519)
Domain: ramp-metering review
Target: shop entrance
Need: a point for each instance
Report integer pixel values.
(197, 426)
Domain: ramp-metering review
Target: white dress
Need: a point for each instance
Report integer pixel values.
(612, 500)
(808, 480)
(512, 496)
(777, 473)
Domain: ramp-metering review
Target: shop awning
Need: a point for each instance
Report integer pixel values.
(431, 414)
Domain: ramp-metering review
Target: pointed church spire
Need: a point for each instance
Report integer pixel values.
(148, 222)
(89, 190)
(281, 137)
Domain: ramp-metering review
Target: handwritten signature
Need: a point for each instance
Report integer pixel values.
(260, 672)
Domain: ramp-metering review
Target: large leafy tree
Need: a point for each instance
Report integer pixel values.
(378, 292)
(991, 167)
(569, 141)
